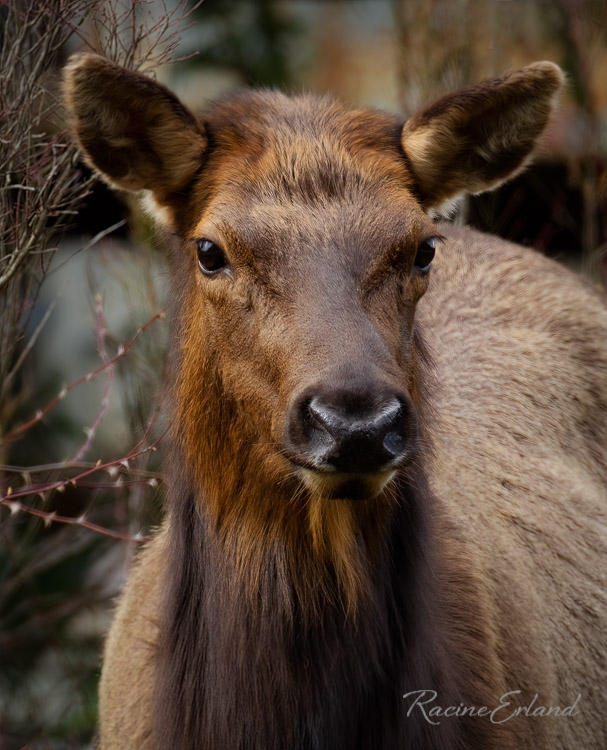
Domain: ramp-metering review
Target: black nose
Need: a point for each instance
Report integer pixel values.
(350, 433)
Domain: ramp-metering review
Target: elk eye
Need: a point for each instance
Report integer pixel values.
(211, 257)
(425, 254)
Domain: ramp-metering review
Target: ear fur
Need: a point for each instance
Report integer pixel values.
(477, 138)
(132, 130)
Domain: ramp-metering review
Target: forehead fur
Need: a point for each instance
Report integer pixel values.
(272, 148)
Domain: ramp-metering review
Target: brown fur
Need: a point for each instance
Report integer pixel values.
(266, 615)
(476, 139)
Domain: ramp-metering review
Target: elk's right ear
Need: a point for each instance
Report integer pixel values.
(132, 130)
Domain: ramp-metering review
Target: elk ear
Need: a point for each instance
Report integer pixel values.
(132, 130)
(475, 139)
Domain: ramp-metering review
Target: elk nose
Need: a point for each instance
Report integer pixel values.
(334, 435)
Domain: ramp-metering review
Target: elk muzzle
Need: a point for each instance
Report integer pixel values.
(348, 442)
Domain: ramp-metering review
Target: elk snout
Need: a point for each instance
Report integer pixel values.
(350, 432)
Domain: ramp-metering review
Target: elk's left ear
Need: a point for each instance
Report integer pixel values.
(477, 138)
(132, 130)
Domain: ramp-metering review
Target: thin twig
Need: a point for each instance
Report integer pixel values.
(64, 466)
(30, 344)
(52, 517)
(91, 243)
(123, 350)
(109, 375)
(61, 484)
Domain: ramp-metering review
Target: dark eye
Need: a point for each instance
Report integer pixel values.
(425, 254)
(211, 257)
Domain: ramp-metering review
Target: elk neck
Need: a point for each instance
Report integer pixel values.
(246, 574)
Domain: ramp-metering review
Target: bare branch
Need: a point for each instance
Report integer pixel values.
(109, 373)
(123, 350)
(52, 517)
(28, 347)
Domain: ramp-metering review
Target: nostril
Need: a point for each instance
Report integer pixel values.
(326, 418)
(391, 427)
(319, 429)
(394, 443)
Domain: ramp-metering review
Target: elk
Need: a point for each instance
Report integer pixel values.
(386, 491)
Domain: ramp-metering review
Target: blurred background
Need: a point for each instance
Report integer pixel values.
(82, 278)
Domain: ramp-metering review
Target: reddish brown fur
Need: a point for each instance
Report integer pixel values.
(266, 615)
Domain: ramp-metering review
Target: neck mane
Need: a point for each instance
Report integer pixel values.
(305, 627)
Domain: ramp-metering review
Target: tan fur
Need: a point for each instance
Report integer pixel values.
(527, 490)
(514, 405)
(126, 693)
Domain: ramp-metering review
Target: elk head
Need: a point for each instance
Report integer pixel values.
(305, 241)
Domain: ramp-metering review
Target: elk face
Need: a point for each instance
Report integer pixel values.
(311, 258)
(306, 245)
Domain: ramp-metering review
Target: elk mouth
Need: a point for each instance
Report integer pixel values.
(337, 485)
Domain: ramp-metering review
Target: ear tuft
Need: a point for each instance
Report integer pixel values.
(132, 130)
(477, 138)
